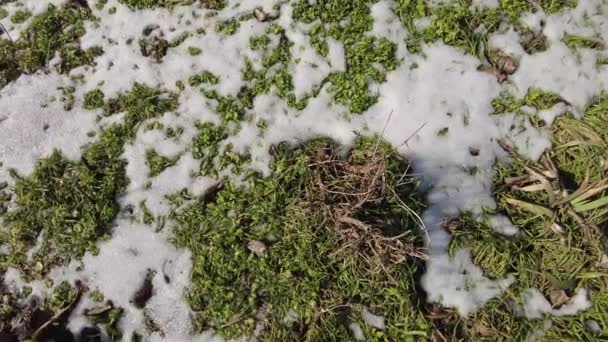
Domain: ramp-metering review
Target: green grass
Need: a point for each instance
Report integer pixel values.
(93, 99)
(141, 103)
(203, 77)
(578, 42)
(143, 4)
(65, 206)
(535, 98)
(157, 163)
(20, 16)
(56, 30)
(368, 58)
(561, 247)
(311, 266)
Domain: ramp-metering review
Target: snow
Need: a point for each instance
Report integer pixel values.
(535, 305)
(444, 91)
(373, 320)
(119, 270)
(29, 105)
(357, 331)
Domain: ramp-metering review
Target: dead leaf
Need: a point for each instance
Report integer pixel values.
(259, 14)
(558, 297)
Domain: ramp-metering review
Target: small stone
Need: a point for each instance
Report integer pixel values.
(259, 14)
(257, 247)
(474, 151)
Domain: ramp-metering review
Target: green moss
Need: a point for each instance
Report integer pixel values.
(64, 198)
(157, 163)
(20, 16)
(194, 51)
(141, 103)
(259, 42)
(142, 4)
(229, 107)
(213, 4)
(3, 13)
(367, 58)
(297, 262)
(100, 4)
(94, 99)
(203, 77)
(228, 27)
(56, 30)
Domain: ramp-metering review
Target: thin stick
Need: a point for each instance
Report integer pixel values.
(390, 115)
(8, 34)
(412, 135)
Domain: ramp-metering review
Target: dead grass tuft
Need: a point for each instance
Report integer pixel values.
(347, 191)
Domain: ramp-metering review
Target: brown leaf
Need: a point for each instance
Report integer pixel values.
(259, 14)
(558, 297)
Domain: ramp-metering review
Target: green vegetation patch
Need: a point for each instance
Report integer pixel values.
(64, 206)
(560, 203)
(93, 99)
(157, 163)
(536, 98)
(143, 4)
(368, 58)
(578, 42)
(304, 250)
(20, 16)
(462, 25)
(58, 30)
(141, 103)
(203, 77)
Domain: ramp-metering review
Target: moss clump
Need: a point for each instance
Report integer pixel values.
(56, 30)
(65, 206)
(143, 4)
(203, 77)
(308, 247)
(158, 163)
(141, 103)
(20, 16)
(559, 203)
(228, 27)
(94, 99)
(194, 51)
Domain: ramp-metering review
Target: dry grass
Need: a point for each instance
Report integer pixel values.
(345, 190)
